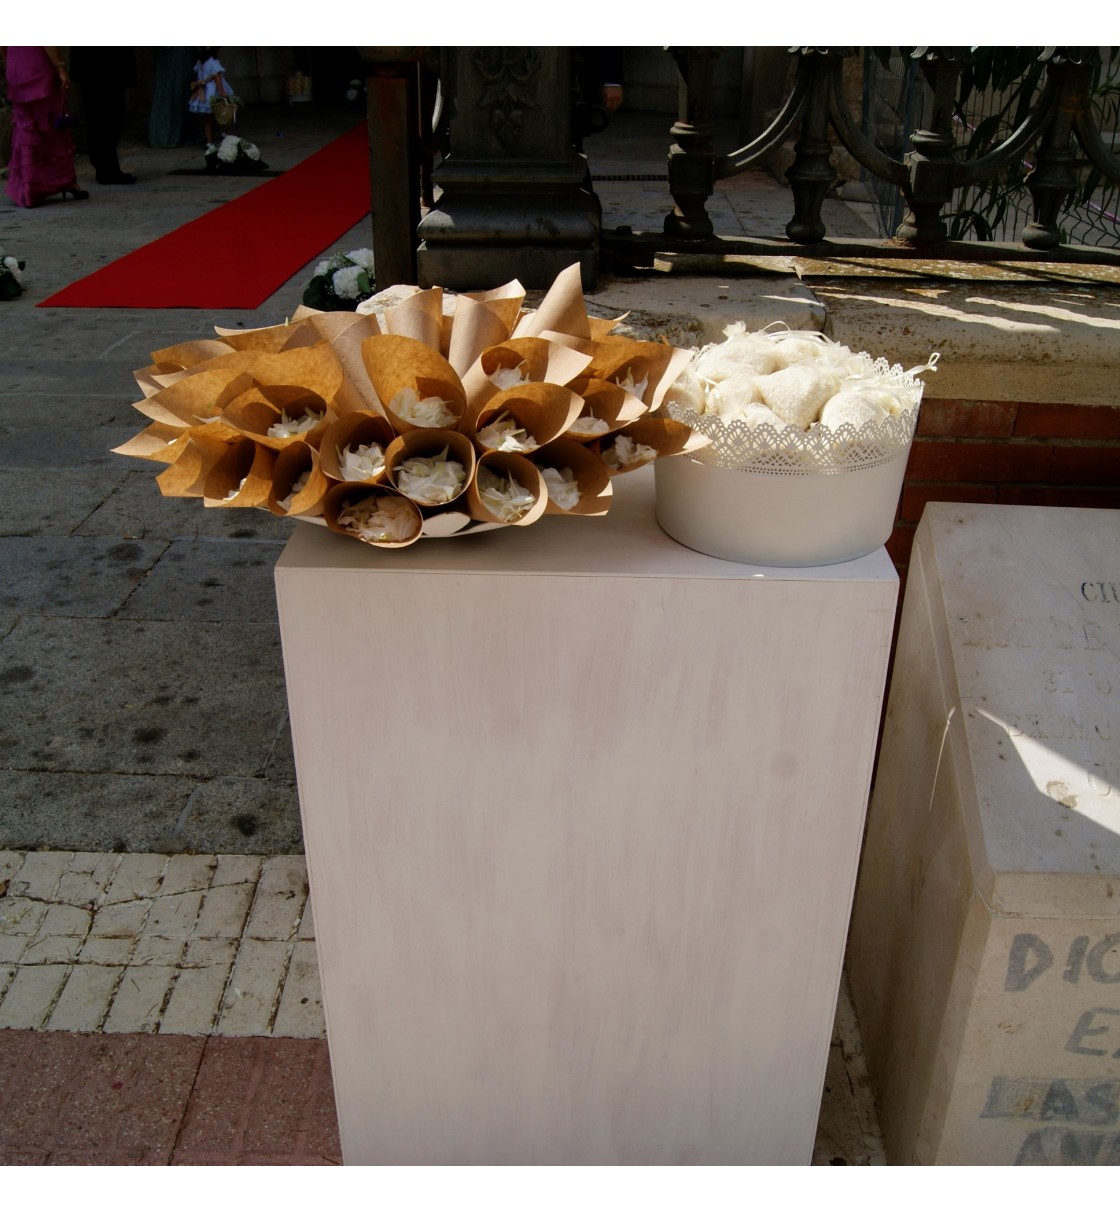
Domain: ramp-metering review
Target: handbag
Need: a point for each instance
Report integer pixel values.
(64, 119)
(223, 105)
(224, 112)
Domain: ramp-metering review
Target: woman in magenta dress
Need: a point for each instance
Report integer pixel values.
(42, 162)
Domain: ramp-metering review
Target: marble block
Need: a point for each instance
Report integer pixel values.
(985, 949)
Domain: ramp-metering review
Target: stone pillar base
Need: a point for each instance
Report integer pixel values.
(513, 198)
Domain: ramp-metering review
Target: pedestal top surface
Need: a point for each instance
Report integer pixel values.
(1031, 601)
(627, 541)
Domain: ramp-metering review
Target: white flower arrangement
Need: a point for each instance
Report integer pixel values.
(341, 282)
(290, 427)
(562, 487)
(504, 496)
(380, 518)
(431, 412)
(625, 452)
(588, 426)
(506, 434)
(431, 480)
(232, 154)
(11, 276)
(297, 487)
(509, 376)
(361, 462)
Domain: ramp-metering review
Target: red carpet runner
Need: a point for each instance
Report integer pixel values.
(239, 254)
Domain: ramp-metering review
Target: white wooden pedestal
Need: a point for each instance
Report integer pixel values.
(985, 947)
(582, 811)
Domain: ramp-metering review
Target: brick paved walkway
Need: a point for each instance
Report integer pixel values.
(95, 1099)
(166, 1010)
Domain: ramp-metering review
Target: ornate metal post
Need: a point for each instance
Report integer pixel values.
(692, 159)
(931, 163)
(1053, 176)
(514, 201)
(811, 172)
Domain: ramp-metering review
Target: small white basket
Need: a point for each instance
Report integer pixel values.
(787, 498)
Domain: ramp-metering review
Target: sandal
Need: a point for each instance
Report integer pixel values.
(79, 195)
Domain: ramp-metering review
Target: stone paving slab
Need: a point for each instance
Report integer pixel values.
(135, 508)
(38, 502)
(171, 698)
(207, 580)
(73, 577)
(60, 448)
(243, 815)
(82, 811)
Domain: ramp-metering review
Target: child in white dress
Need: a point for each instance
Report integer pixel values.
(209, 82)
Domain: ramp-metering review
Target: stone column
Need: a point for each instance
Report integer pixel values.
(514, 202)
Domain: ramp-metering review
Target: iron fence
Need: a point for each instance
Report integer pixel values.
(897, 101)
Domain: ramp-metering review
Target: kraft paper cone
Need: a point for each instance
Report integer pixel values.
(504, 301)
(190, 353)
(396, 364)
(357, 392)
(591, 475)
(160, 443)
(241, 478)
(343, 495)
(330, 325)
(606, 402)
(426, 444)
(255, 411)
(659, 364)
(538, 360)
(262, 340)
(304, 335)
(665, 436)
(420, 317)
(601, 327)
(354, 429)
(475, 328)
(187, 475)
(315, 367)
(543, 410)
(561, 310)
(148, 382)
(523, 472)
(303, 312)
(195, 398)
(291, 463)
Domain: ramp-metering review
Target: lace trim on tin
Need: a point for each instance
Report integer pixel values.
(817, 451)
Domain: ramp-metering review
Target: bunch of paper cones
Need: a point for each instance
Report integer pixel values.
(414, 423)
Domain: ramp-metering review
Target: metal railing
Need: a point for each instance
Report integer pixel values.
(896, 100)
(922, 162)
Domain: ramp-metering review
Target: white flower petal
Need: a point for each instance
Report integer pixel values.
(504, 496)
(562, 487)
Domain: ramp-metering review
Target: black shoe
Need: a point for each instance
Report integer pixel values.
(79, 195)
(116, 179)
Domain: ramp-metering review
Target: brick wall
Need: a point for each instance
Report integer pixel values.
(997, 452)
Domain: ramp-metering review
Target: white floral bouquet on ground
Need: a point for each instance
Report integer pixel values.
(235, 156)
(341, 282)
(11, 276)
